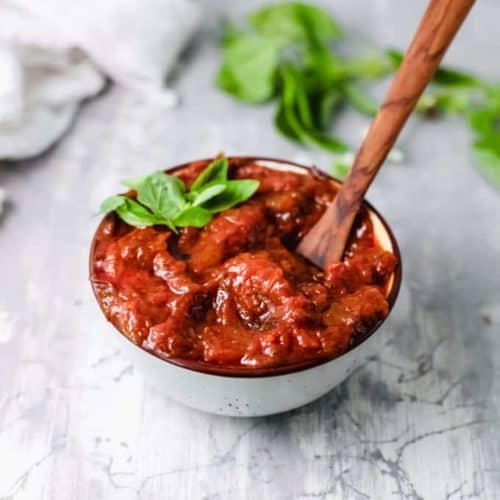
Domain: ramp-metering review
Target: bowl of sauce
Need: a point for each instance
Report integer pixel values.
(227, 318)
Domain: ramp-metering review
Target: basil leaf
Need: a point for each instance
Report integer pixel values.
(370, 68)
(322, 70)
(453, 100)
(324, 106)
(235, 193)
(282, 124)
(248, 71)
(443, 76)
(294, 21)
(492, 97)
(163, 194)
(208, 193)
(303, 107)
(360, 101)
(112, 203)
(342, 165)
(449, 76)
(487, 154)
(230, 34)
(340, 170)
(318, 138)
(396, 57)
(291, 122)
(485, 122)
(215, 172)
(482, 121)
(193, 216)
(136, 215)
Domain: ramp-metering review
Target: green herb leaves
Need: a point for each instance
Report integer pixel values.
(295, 115)
(163, 199)
(459, 93)
(287, 52)
(485, 123)
(295, 22)
(130, 211)
(215, 173)
(249, 69)
(163, 195)
(235, 193)
(443, 76)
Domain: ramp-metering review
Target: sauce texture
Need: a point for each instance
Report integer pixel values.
(234, 293)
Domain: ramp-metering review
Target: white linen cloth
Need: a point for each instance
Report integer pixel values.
(55, 53)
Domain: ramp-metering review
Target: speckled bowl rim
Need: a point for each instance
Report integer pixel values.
(248, 372)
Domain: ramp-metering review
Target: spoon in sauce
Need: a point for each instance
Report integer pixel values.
(326, 241)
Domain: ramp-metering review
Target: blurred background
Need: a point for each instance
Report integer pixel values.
(77, 421)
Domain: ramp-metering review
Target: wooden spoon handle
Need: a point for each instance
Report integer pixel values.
(325, 242)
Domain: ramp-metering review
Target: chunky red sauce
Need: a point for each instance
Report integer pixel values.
(234, 293)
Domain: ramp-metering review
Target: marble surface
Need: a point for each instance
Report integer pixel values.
(419, 421)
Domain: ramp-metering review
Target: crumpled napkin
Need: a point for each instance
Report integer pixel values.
(55, 53)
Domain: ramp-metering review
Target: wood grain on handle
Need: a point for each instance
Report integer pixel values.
(325, 242)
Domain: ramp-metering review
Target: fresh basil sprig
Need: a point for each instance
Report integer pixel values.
(164, 200)
(455, 92)
(286, 53)
(485, 123)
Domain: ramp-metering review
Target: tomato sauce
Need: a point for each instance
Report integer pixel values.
(234, 293)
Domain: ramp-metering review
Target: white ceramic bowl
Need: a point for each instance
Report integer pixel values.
(264, 391)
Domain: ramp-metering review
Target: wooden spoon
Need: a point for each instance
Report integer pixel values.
(326, 241)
